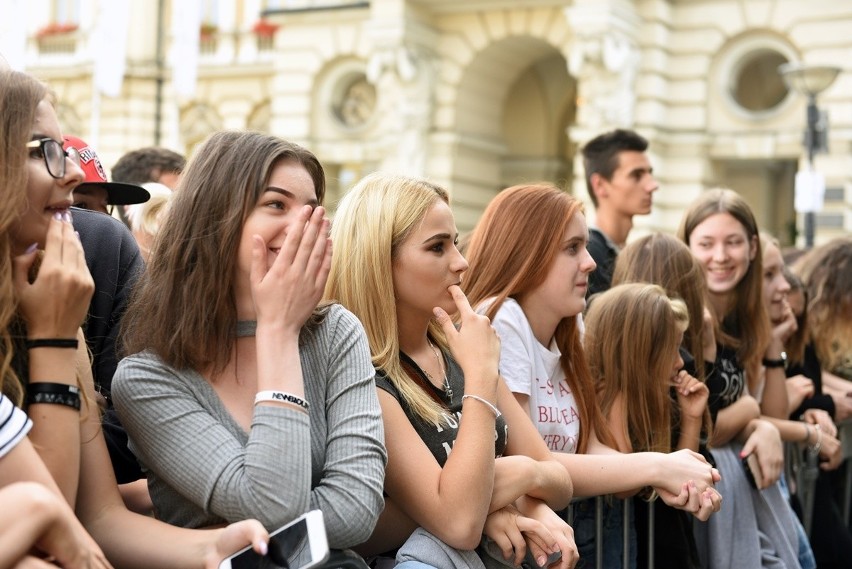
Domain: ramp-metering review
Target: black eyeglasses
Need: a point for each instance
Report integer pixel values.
(54, 155)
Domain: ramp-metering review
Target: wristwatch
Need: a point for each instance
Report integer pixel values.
(776, 363)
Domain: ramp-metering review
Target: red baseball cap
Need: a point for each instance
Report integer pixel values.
(117, 193)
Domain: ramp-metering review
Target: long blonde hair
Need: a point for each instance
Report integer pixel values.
(20, 95)
(632, 333)
(372, 221)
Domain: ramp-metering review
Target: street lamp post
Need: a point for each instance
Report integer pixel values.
(811, 80)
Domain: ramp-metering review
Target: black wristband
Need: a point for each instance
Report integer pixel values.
(774, 363)
(53, 343)
(54, 394)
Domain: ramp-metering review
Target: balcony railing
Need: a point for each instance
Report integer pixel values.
(64, 43)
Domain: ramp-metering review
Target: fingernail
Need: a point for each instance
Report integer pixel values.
(77, 233)
(743, 454)
(541, 560)
(57, 216)
(67, 217)
(263, 548)
(31, 248)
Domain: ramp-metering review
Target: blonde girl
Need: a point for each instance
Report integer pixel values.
(463, 458)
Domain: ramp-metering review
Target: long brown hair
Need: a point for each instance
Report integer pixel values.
(745, 327)
(827, 273)
(632, 334)
(20, 95)
(510, 253)
(664, 260)
(184, 307)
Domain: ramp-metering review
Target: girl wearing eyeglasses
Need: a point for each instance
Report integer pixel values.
(45, 288)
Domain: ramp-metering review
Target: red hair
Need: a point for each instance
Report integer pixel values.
(510, 253)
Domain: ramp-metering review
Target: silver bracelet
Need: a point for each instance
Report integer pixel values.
(280, 397)
(807, 433)
(491, 406)
(815, 448)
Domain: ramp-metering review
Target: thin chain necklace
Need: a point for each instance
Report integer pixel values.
(447, 389)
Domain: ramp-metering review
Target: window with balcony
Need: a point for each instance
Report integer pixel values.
(58, 35)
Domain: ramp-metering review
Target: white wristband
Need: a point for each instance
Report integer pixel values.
(280, 397)
(491, 406)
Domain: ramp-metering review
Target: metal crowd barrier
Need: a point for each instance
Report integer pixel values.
(845, 433)
(804, 470)
(627, 505)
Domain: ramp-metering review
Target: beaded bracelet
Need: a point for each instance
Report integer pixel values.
(281, 397)
(54, 394)
(491, 406)
(52, 343)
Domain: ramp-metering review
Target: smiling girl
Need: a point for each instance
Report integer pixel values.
(759, 528)
(242, 398)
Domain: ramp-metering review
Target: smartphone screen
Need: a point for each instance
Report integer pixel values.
(290, 548)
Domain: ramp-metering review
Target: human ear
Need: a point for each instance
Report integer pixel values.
(599, 185)
(752, 249)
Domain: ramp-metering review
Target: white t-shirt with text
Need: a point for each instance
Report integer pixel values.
(533, 369)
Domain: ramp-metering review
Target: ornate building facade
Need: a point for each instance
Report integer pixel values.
(481, 94)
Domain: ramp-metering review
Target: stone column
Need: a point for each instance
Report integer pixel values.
(403, 69)
(604, 59)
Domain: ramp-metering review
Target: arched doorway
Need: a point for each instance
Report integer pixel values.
(515, 102)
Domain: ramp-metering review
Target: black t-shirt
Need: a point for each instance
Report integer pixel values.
(440, 438)
(727, 381)
(115, 262)
(604, 252)
(811, 368)
(113, 258)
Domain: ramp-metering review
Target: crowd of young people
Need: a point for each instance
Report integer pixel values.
(440, 409)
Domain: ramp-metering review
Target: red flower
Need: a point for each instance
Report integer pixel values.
(56, 28)
(264, 28)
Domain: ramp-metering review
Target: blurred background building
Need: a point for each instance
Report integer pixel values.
(474, 94)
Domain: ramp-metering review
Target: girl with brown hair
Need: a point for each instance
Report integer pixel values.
(666, 261)
(721, 232)
(827, 272)
(242, 397)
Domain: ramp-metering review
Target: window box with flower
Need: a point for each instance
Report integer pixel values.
(264, 28)
(208, 30)
(56, 28)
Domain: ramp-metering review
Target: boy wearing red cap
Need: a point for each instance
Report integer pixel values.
(96, 193)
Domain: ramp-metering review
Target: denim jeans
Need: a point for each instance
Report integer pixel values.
(613, 534)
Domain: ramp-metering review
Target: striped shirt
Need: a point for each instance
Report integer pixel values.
(14, 425)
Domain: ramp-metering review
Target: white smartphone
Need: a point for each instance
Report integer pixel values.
(301, 544)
